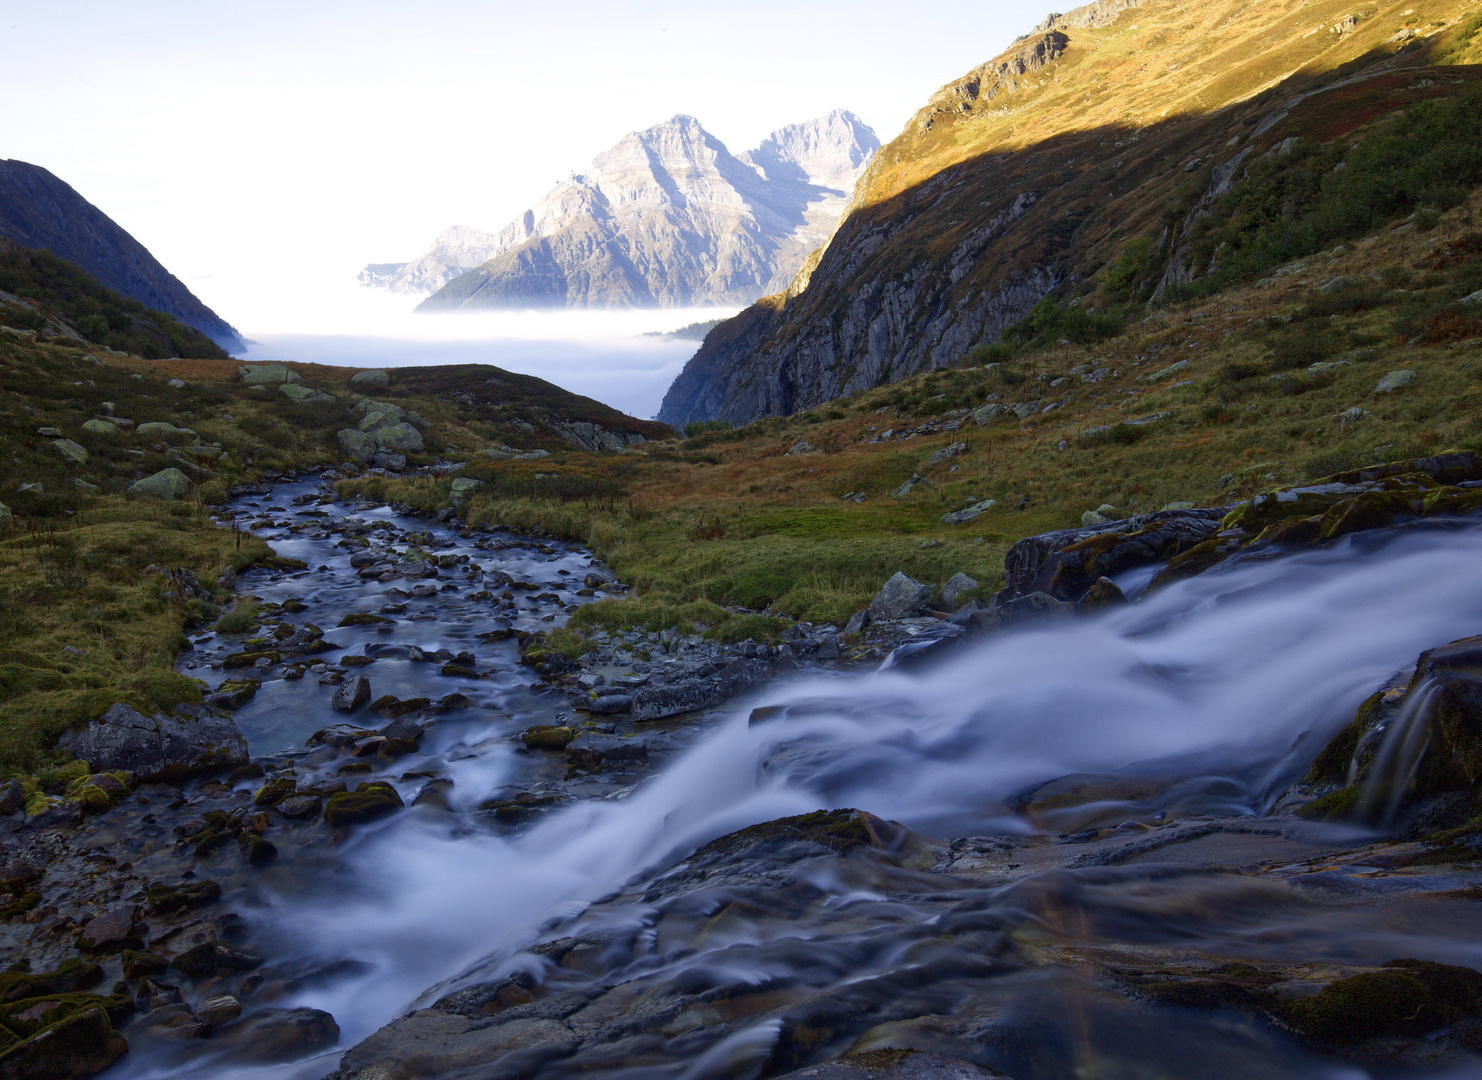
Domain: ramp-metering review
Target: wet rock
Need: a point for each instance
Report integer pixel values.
(136, 965)
(173, 899)
(1405, 998)
(899, 597)
(159, 748)
(608, 704)
(166, 484)
(340, 735)
(1104, 592)
(366, 803)
(217, 1011)
(214, 958)
(669, 699)
(233, 694)
(282, 1035)
(351, 694)
(256, 850)
(113, 931)
(593, 751)
(274, 791)
(80, 1046)
(549, 737)
(299, 806)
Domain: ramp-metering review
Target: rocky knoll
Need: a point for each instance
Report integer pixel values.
(1113, 126)
(38, 210)
(667, 217)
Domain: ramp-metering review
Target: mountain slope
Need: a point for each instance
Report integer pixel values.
(1101, 140)
(667, 217)
(38, 210)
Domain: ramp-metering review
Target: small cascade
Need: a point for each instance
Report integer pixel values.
(1402, 743)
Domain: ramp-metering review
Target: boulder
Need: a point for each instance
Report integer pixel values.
(165, 484)
(70, 452)
(670, 699)
(946, 453)
(401, 438)
(300, 806)
(357, 444)
(899, 597)
(212, 958)
(385, 459)
(956, 585)
(218, 1010)
(593, 751)
(351, 694)
(7, 519)
(81, 1045)
(369, 381)
(100, 427)
(12, 798)
(462, 488)
(268, 374)
(989, 413)
(910, 486)
(1393, 381)
(168, 748)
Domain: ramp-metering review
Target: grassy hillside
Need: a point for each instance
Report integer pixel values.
(1268, 383)
(1106, 162)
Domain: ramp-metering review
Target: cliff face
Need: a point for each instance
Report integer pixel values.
(667, 217)
(37, 210)
(1029, 174)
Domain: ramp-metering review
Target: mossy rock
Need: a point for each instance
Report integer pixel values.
(1371, 510)
(366, 803)
(256, 850)
(20, 906)
(363, 619)
(1408, 999)
(136, 965)
(68, 977)
(549, 737)
(839, 830)
(248, 659)
(274, 791)
(214, 958)
(29, 1016)
(172, 899)
(80, 1045)
(1332, 765)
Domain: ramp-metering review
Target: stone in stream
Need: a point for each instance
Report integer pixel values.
(300, 806)
(366, 803)
(276, 1035)
(173, 899)
(78, 1046)
(158, 748)
(893, 1064)
(212, 958)
(113, 932)
(899, 597)
(274, 791)
(351, 694)
(594, 751)
(219, 1010)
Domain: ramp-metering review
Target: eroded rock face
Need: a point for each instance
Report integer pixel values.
(168, 748)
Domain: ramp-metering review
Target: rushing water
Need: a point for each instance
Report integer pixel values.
(1203, 700)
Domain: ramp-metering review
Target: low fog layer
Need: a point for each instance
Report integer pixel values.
(601, 354)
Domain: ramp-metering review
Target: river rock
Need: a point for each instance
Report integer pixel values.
(366, 803)
(669, 699)
(1393, 381)
(166, 484)
(300, 806)
(899, 597)
(894, 1064)
(351, 694)
(166, 748)
(282, 1035)
(594, 751)
(268, 374)
(218, 1010)
(369, 381)
(113, 931)
(71, 452)
(173, 899)
(212, 958)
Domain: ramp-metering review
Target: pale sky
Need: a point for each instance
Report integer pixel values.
(282, 143)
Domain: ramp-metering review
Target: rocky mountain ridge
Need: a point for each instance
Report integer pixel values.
(667, 217)
(39, 210)
(1114, 126)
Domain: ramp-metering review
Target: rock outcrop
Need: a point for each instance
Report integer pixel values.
(667, 217)
(160, 747)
